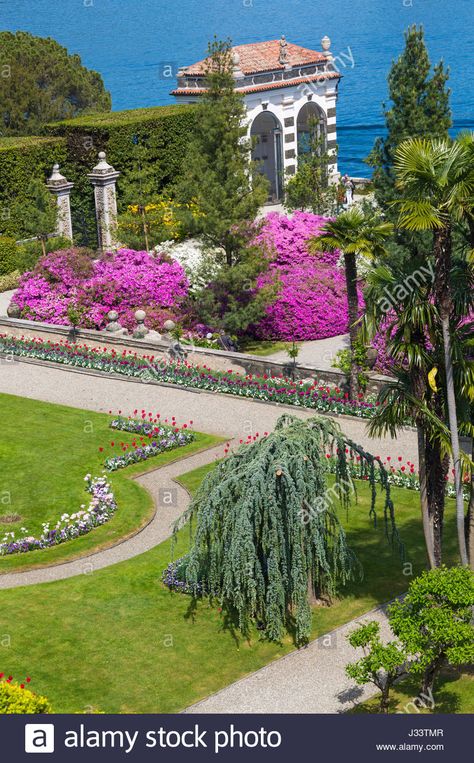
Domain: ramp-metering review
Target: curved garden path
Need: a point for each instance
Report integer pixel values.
(215, 413)
(154, 533)
(311, 680)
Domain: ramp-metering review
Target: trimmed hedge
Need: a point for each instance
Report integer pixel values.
(160, 133)
(21, 159)
(9, 255)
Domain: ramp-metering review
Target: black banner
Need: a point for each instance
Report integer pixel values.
(230, 738)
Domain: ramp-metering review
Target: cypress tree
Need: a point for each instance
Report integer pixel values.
(419, 108)
(220, 176)
(267, 538)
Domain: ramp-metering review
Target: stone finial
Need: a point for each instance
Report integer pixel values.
(113, 325)
(13, 310)
(141, 330)
(56, 178)
(169, 325)
(283, 56)
(103, 167)
(326, 45)
(236, 70)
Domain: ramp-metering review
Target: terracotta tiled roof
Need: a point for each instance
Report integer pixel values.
(265, 86)
(263, 57)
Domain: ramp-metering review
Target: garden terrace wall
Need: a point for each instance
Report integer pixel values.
(217, 360)
(154, 138)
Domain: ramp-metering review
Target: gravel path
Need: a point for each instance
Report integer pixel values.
(5, 298)
(310, 680)
(158, 530)
(318, 354)
(215, 413)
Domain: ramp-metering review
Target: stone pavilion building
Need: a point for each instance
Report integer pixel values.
(284, 86)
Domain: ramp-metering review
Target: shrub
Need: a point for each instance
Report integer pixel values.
(9, 255)
(434, 622)
(125, 281)
(10, 281)
(311, 303)
(16, 699)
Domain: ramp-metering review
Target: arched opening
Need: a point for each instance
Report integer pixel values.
(266, 132)
(310, 125)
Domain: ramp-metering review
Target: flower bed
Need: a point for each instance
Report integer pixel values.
(101, 508)
(264, 388)
(162, 437)
(403, 475)
(124, 281)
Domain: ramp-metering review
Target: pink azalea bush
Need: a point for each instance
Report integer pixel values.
(124, 281)
(311, 303)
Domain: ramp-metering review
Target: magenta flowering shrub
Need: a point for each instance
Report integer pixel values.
(124, 281)
(311, 303)
(287, 237)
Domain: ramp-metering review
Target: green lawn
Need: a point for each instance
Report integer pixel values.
(118, 640)
(45, 452)
(264, 347)
(453, 693)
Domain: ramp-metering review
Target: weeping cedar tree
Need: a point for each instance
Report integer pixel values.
(267, 539)
(221, 178)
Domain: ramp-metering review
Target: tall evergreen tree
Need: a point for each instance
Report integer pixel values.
(419, 108)
(41, 82)
(39, 214)
(221, 178)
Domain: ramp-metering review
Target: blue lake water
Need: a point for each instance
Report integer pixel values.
(135, 44)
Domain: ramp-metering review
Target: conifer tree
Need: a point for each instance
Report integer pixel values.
(220, 176)
(267, 538)
(419, 108)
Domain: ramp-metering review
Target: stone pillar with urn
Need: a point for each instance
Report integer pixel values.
(103, 177)
(61, 188)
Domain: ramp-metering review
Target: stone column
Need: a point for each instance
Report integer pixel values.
(59, 186)
(103, 177)
(331, 100)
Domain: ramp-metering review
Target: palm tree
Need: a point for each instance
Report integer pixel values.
(355, 234)
(437, 181)
(414, 341)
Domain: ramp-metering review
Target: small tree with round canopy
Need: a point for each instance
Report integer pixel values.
(267, 538)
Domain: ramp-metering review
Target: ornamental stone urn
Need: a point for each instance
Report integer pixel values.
(13, 310)
(141, 330)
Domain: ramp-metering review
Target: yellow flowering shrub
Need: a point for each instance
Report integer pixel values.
(17, 699)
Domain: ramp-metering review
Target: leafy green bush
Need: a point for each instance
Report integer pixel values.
(9, 255)
(342, 362)
(10, 281)
(16, 699)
